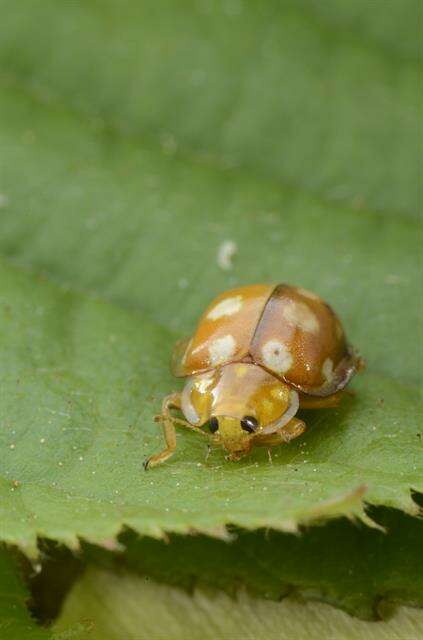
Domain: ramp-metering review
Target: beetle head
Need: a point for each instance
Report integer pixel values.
(233, 434)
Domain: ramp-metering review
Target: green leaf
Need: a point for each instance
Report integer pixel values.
(362, 570)
(125, 605)
(81, 381)
(320, 96)
(136, 139)
(144, 229)
(365, 575)
(15, 621)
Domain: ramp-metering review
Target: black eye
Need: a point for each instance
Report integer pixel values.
(249, 423)
(213, 424)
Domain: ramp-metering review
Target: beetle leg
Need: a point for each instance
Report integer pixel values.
(288, 432)
(173, 401)
(309, 402)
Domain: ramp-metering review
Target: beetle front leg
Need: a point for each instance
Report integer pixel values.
(173, 401)
(288, 432)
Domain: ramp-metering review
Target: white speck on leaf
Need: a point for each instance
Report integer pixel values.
(392, 278)
(168, 143)
(182, 283)
(225, 254)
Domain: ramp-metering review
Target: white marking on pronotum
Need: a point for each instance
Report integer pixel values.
(187, 407)
(204, 381)
(286, 417)
(327, 369)
(299, 315)
(276, 356)
(222, 349)
(226, 307)
(225, 253)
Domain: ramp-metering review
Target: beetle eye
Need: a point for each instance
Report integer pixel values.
(249, 423)
(213, 424)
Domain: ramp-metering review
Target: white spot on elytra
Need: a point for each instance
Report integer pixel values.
(222, 349)
(327, 369)
(308, 294)
(299, 315)
(276, 356)
(226, 307)
(225, 253)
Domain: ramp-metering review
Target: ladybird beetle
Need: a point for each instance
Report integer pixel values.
(258, 354)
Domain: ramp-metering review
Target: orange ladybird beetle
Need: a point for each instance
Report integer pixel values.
(258, 354)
